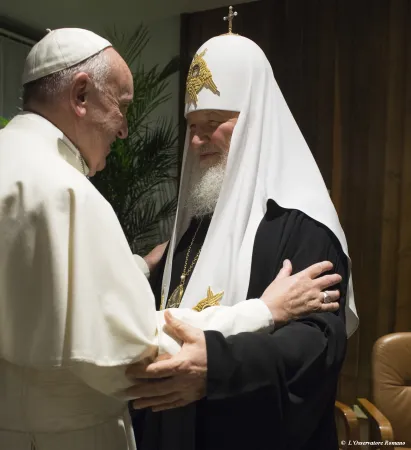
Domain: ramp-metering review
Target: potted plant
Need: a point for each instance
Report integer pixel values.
(3, 122)
(141, 167)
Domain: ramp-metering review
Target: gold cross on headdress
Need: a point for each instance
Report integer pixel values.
(230, 18)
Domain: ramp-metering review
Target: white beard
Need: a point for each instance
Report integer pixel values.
(206, 190)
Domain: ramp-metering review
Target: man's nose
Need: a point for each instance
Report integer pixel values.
(198, 140)
(123, 131)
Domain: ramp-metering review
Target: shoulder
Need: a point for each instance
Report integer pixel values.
(297, 226)
(292, 234)
(37, 181)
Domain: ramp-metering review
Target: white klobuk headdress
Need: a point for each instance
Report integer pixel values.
(268, 159)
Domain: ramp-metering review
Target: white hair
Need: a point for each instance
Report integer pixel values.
(52, 86)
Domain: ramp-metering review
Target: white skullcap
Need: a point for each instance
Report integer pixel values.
(61, 49)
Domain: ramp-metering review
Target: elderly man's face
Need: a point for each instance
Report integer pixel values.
(104, 119)
(211, 132)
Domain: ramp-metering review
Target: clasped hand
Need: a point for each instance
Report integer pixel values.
(172, 381)
(175, 381)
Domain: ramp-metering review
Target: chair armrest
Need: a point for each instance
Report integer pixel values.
(351, 424)
(378, 420)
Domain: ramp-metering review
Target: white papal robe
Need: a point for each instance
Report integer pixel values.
(75, 308)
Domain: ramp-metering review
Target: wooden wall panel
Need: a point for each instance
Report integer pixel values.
(393, 153)
(403, 277)
(326, 73)
(343, 140)
(344, 67)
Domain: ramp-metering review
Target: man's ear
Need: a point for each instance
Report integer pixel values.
(79, 91)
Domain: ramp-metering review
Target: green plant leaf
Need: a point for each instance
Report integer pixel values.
(3, 122)
(141, 167)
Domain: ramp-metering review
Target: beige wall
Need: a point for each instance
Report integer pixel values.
(12, 57)
(163, 45)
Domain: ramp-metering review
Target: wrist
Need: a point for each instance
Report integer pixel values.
(142, 264)
(277, 314)
(150, 265)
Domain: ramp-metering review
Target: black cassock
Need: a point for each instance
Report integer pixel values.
(264, 390)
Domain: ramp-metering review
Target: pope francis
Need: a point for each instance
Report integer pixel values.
(76, 308)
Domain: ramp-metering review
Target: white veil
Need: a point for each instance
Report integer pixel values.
(268, 159)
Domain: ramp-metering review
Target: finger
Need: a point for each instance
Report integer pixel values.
(327, 281)
(149, 388)
(137, 370)
(172, 405)
(178, 329)
(142, 403)
(332, 296)
(163, 357)
(161, 369)
(330, 307)
(167, 368)
(317, 269)
(285, 271)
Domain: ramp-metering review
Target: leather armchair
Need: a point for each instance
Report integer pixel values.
(347, 425)
(390, 416)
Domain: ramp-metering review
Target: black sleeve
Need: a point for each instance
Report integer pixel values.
(298, 357)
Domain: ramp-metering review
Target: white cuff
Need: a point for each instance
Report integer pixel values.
(255, 315)
(141, 263)
(246, 316)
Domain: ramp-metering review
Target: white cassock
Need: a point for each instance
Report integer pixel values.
(75, 308)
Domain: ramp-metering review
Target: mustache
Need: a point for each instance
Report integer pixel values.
(207, 148)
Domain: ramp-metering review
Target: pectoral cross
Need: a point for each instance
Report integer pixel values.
(230, 18)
